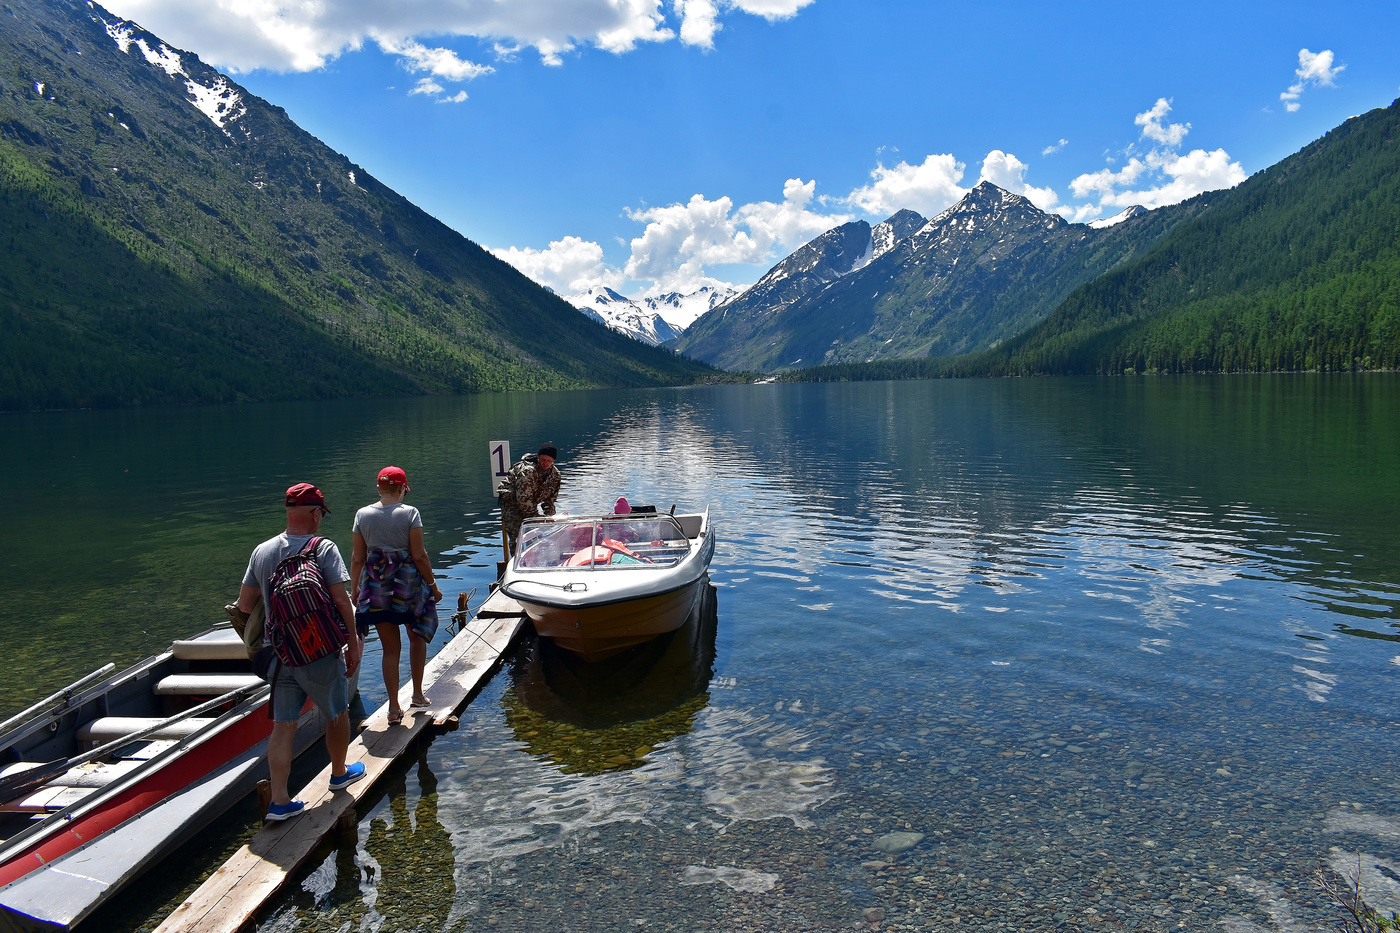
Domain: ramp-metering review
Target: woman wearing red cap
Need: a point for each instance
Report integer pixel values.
(394, 583)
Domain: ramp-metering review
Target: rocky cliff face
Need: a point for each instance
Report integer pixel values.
(726, 332)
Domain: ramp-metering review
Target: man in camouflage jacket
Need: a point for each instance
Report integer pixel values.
(530, 487)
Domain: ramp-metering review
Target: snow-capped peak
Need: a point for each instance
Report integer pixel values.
(652, 320)
(1126, 214)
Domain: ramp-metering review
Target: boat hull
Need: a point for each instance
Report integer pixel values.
(183, 771)
(597, 632)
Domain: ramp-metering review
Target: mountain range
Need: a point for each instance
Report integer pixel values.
(1295, 269)
(174, 238)
(652, 320)
(979, 273)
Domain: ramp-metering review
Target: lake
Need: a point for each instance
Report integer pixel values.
(1040, 654)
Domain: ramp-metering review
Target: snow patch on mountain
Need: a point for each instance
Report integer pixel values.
(680, 311)
(1126, 214)
(217, 100)
(165, 58)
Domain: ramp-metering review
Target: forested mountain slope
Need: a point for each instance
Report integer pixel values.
(169, 237)
(1297, 268)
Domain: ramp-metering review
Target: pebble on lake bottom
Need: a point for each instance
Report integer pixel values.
(739, 879)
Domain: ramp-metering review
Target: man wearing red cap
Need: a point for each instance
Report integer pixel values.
(324, 681)
(529, 488)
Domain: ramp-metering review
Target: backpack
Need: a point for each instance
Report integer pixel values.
(303, 624)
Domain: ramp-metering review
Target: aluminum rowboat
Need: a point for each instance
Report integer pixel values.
(103, 778)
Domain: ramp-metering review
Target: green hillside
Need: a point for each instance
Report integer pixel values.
(151, 255)
(1298, 268)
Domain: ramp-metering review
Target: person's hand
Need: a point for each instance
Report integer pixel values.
(437, 593)
(354, 651)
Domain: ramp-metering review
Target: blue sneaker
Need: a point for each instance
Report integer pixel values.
(352, 774)
(276, 812)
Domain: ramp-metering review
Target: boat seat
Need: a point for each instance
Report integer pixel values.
(110, 728)
(203, 685)
(691, 524)
(47, 799)
(221, 645)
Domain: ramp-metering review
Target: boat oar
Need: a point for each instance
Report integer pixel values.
(14, 785)
(63, 694)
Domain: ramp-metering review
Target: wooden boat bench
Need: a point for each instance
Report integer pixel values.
(203, 685)
(219, 645)
(110, 728)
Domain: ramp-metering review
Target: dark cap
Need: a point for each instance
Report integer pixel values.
(548, 450)
(305, 494)
(394, 476)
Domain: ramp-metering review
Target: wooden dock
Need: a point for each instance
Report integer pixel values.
(237, 891)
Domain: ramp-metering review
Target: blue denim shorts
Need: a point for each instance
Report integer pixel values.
(323, 681)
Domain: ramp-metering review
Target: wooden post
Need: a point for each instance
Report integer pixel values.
(347, 826)
(264, 798)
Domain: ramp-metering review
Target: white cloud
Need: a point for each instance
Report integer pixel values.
(1189, 175)
(1006, 171)
(1054, 147)
(1182, 177)
(426, 86)
(699, 22)
(926, 188)
(934, 185)
(568, 266)
(680, 240)
(1315, 69)
(1160, 177)
(442, 63)
(771, 10)
(1106, 179)
(788, 223)
(243, 35)
(1153, 128)
(457, 98)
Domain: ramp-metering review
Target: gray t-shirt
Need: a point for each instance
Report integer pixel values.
(387, 526)
(273, 551)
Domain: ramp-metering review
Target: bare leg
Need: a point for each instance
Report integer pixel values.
(417, 660)
(389, 641)
(279, 759)
(337, 743)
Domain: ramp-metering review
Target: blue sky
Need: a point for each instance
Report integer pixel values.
(662, 144)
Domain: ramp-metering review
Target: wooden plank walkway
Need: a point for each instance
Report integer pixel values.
(233, 895)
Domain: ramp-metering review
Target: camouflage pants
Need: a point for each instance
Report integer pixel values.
(511, 519)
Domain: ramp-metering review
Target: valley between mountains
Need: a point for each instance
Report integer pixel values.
(173, 238)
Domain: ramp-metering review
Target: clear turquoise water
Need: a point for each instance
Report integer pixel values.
(1122, 652)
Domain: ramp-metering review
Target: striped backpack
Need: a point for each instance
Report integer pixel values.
(303, 624)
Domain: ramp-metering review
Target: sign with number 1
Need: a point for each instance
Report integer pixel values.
(500, 461)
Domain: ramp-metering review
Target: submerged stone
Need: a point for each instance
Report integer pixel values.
(892, 843)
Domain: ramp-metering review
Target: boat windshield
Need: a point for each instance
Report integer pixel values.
(601, 543)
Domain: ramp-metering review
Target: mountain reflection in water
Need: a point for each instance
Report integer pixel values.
(608, 715)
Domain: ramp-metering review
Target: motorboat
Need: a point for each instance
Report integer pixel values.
(105, 777)
(596, 584)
